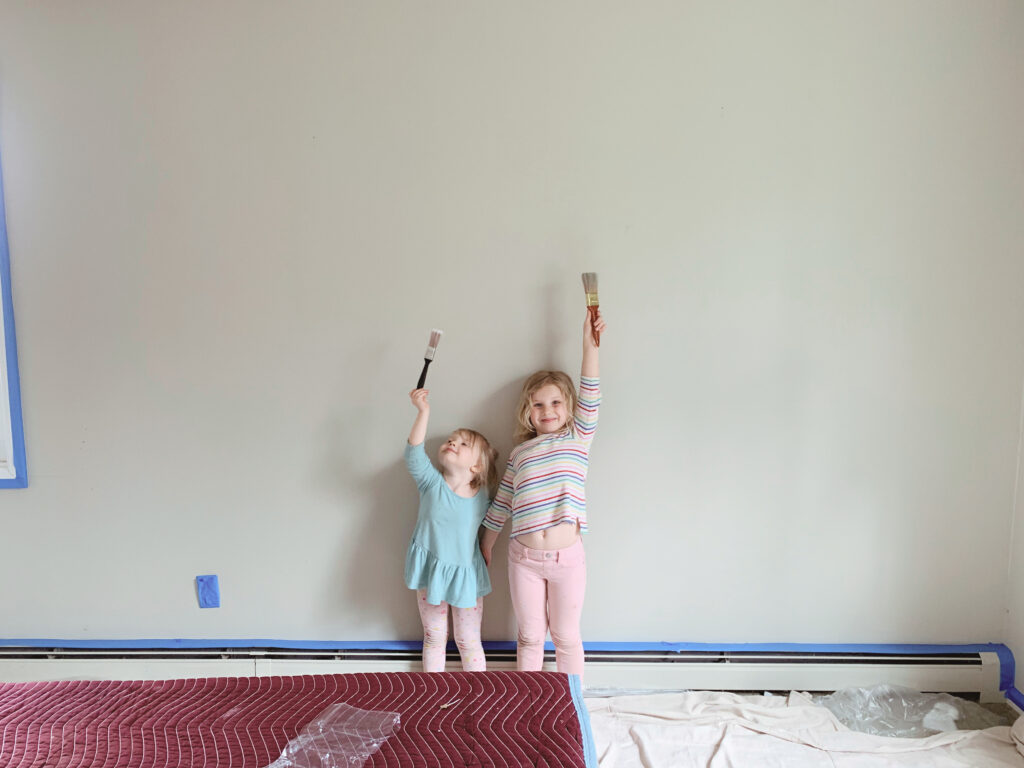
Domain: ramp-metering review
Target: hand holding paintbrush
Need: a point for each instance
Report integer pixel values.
(590, 288)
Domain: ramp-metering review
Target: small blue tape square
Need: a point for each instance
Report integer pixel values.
(209, 591)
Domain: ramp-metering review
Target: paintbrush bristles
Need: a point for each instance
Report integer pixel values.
(590, 288)
(435, 339)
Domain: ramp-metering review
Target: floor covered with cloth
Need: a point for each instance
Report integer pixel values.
(705, 729)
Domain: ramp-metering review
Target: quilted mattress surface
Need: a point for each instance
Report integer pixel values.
(450, 719)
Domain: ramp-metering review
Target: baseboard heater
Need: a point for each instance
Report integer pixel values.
(977, 674)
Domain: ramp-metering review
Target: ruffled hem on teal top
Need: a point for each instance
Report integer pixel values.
(458, 585)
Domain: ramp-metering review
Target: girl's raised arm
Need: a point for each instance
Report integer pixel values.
(419, 427)
(590, 367)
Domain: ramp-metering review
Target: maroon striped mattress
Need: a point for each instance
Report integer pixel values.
(449, 719)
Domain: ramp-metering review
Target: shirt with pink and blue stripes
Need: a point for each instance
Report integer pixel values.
(545, 476)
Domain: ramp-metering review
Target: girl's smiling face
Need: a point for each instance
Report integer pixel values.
(548, 412)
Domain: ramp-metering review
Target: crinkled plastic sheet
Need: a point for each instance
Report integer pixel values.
(891, 710)
(601, 693)
(340, 737)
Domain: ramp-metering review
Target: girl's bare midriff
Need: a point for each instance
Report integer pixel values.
(555, 537)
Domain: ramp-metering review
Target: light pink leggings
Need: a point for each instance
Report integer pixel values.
(466, 623)
(547, 588)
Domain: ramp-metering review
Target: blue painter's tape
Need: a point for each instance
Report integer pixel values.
(9, 347)
(1015, 696)
(192, 643)
(1007, 667)
(208, 588)
(583, 714)
(507, 645)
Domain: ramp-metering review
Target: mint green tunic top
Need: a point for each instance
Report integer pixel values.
(444, 555)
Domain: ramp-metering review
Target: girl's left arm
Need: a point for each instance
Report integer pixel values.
(590, 367)
(418, 433)
(585, 417)
(487, 539)
(497, 513)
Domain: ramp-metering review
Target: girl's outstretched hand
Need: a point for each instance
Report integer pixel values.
(419, 399)
(590, 325)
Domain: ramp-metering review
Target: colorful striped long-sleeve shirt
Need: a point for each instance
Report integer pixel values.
(543, 482)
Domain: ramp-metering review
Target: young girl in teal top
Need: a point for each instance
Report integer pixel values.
(444, 564)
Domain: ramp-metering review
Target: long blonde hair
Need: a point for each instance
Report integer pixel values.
(524, 428)
(488, 474)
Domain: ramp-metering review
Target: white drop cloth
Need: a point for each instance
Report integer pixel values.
(704, 729)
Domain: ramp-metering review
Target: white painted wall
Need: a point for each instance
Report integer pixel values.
(233, 224)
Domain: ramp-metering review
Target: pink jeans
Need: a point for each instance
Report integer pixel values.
(467, 634)
(547, 589)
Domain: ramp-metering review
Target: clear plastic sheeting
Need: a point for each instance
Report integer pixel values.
(340, 737)
(600, 693)
(890, 710)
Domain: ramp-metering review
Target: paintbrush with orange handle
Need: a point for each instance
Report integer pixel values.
(590, 287)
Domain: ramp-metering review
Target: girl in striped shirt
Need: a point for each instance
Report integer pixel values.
(542, 491)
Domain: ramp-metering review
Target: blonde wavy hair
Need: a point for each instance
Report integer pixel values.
(488, 474)
(524, 427)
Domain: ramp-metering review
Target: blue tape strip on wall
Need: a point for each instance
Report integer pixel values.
(208, 590)
(9, 348)
(1015, 696)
